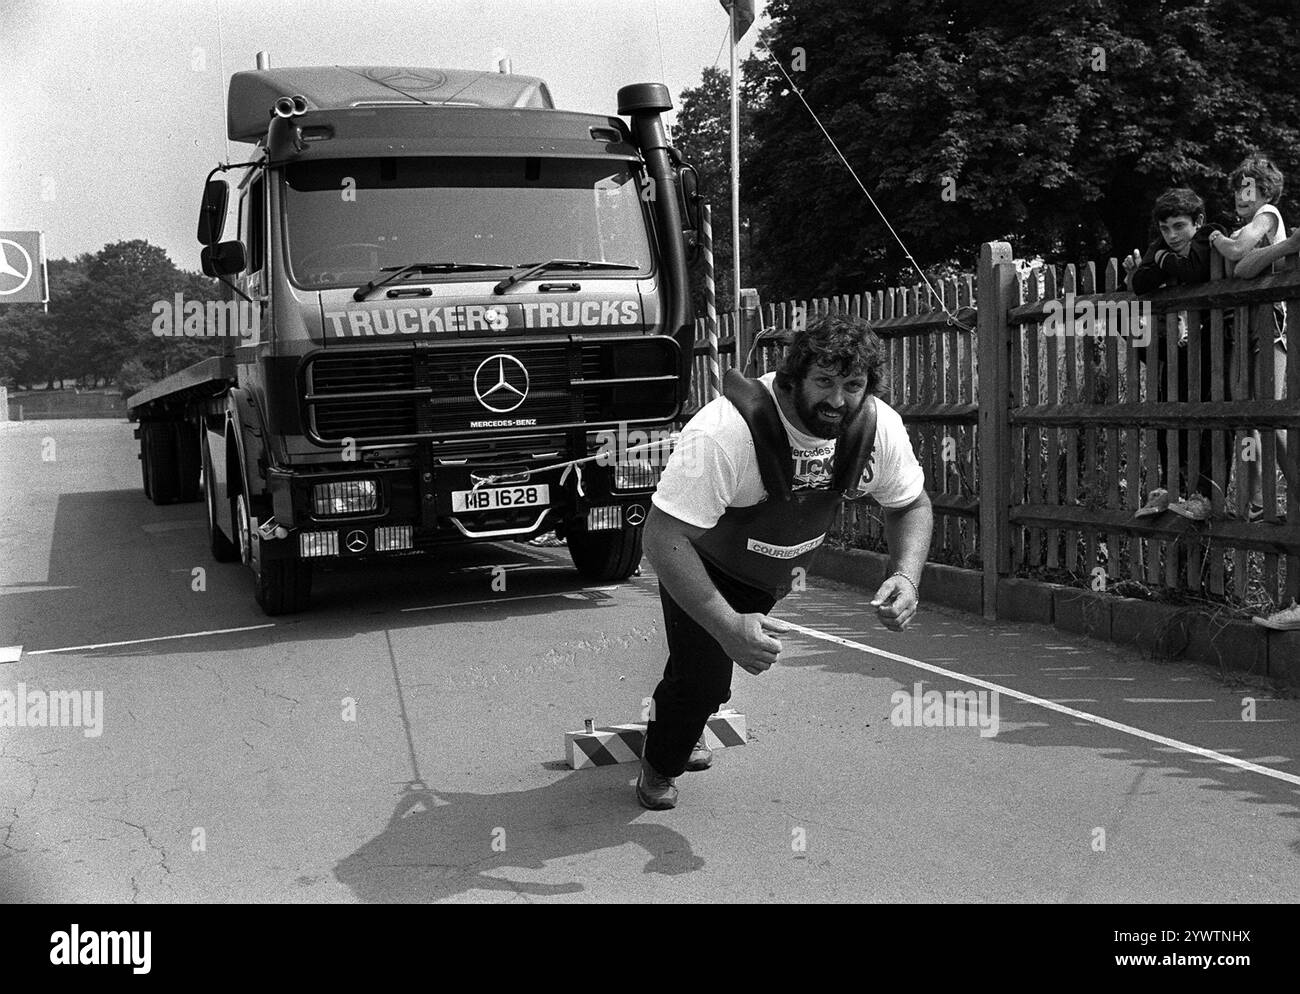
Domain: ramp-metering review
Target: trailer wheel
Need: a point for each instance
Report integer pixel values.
(280, 586)
(187, 462)
(222, 548)
(158, 445)
(606, 555)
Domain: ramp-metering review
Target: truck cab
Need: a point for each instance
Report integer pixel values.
(464, 307)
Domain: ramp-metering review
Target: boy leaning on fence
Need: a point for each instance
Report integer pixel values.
(1256, 185)
(1178, 256)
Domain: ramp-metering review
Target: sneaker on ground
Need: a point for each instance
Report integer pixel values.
(701, 757)
(1195, 507)
(1157, 503)
(654, 791)
(1285, 620)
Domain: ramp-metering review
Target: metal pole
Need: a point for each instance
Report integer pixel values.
(735, 176)
(710, 304)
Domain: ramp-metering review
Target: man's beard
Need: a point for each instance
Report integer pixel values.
(811, 416)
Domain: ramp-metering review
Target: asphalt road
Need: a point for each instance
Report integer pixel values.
(225, 768)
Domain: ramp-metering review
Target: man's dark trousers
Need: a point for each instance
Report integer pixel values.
(697, 678)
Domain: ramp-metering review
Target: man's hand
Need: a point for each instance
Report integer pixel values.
(1132, 261)
(751, 641)
(895, 603)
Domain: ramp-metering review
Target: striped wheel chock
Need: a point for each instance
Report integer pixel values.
(614, 744)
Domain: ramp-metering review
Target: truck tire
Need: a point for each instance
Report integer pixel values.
(283, 586)
(223, 549)
(188, 463)
(162, 477)
(280, 586)
(606, 555)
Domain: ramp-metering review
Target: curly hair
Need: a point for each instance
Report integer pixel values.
(837, 342)
(1259, 167)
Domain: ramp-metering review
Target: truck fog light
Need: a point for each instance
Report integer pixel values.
(604, 518)
(318, 544)
(393, 537)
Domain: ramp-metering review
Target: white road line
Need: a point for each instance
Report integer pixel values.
(1169, 700)
(158, 638)
(502, 600)
(1116, 726)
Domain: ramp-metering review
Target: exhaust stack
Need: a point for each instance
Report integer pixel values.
(643, 103)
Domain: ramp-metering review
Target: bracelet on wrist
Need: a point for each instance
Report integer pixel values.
(915, 588)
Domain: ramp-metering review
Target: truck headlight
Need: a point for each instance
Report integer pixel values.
(348, 497)
(641, 475)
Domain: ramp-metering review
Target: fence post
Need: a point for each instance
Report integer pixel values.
(996, 280)
(4, 403)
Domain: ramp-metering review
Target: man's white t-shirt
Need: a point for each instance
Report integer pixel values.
(713, 466)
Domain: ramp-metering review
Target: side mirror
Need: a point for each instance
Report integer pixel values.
(688, 187)
(223, 259)
(212, 212)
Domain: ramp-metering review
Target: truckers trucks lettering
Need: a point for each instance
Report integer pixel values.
(358, 323)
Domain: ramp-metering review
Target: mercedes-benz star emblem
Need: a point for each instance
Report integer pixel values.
(635, 514)
(15, 270)
(357, 541)
(501, 377)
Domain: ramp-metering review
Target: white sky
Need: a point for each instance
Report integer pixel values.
(108, 130)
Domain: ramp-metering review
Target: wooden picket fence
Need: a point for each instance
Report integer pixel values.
(1047, 481)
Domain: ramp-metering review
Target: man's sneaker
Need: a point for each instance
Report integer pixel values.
(653, 791)
(1286, 620)
(1195, 507)
(1256, 513)
(1157, 503)
(701, 757)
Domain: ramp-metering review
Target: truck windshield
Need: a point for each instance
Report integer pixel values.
(349, 218)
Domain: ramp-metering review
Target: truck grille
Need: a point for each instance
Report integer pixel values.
(418, 393)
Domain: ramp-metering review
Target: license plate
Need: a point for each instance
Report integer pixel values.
(496, 498)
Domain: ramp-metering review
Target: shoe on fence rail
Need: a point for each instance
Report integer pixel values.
(1285, 620)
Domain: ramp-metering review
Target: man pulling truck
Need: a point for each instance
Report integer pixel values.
(745, 500)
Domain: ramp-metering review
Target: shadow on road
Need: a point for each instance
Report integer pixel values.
(439, 844)
(122, 569)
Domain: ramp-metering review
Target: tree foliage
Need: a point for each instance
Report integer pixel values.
(100, 319)
(703, 136)
(1053, 125)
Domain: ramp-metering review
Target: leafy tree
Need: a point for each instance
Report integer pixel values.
(101, 318)
(703, 136)
(1053, 125)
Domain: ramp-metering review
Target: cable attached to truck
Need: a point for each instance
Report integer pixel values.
(952, 318)
(492, 478)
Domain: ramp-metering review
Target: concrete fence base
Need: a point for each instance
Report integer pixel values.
(1159, 631)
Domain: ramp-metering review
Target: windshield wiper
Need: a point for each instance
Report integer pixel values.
(533, 268)
(397, 272)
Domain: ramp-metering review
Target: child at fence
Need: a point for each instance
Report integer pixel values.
(1178, 256)
(1256, 185)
